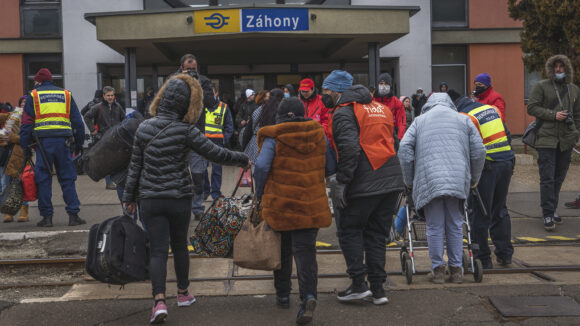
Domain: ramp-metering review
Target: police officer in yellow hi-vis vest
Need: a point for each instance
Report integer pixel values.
(494, 182)
(51, 115)
(219, 127)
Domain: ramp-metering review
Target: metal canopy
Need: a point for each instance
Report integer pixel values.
(334, 34)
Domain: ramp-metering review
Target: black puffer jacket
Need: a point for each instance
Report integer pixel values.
(354, 168)
(159, 168)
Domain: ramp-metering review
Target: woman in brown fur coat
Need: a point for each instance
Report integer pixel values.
(290, 183)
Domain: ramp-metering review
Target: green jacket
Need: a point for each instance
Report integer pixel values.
(552, 132)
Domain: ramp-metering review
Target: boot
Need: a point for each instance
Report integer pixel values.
(8, 218)
(456, 274)
(23, 214)
(437, 275)
(46, 222)
(74, 219)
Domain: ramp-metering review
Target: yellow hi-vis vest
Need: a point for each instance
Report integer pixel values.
(487, 119)
(214, 121)
(51, 109)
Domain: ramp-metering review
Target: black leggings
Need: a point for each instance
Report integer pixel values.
(167, 222)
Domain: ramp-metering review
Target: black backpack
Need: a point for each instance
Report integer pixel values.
(118, 252)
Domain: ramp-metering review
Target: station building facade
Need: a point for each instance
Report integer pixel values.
(89, 44)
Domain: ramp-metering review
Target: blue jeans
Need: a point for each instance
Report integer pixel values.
(198, 167)
(59, 154)
(216, 181)
(445, 219)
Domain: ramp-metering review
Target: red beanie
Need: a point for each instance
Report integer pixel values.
(43, 75)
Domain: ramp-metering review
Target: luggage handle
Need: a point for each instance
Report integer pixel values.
(240, 181)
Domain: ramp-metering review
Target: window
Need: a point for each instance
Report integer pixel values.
(34, 62)
(449, 65)
(449, 13)
(40, 19)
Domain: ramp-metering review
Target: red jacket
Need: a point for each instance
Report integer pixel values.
(492, 97)
(315, 110)
(398, 110)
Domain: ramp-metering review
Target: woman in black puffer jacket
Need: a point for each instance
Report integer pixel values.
(159, 180)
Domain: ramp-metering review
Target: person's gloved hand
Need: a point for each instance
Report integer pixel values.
(339, 195)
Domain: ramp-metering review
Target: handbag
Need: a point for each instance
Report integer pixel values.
(214, 235)
(257, 246)
(29, 188)
(245, 176)
(12, 197)
(529, 136)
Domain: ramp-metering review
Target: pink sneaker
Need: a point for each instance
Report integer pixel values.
(185, 300)
(159, 313)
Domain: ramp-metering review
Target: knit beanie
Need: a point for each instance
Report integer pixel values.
(386, 77)
(484, 79)
(290, 109)
(43, 75)
(338, 81)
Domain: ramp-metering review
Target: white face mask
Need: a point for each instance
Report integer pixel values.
(384, 90)
(561, 75)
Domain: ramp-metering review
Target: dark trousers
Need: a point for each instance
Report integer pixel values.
(59, 154)
(216, 177)
(362, 234)
(300, 244)
(553, 165)
(167, 222)
(493, 188)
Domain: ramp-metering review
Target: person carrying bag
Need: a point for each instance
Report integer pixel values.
(293, 150)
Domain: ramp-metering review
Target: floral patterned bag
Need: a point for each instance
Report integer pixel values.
(214, 235)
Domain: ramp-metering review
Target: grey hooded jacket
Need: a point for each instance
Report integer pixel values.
(442, 153)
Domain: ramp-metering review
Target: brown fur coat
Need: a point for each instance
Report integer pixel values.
(16, 159)
(295, 193)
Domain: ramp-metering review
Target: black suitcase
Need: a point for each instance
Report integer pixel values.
(118, 252)
(113, 151)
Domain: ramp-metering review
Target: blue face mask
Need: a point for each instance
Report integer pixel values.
(561, 76)
(286, 95)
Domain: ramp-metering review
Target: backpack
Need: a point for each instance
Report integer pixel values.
(118, 252)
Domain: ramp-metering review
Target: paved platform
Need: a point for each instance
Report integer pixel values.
(236, 302)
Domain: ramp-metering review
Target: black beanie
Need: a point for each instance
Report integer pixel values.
(290, 109)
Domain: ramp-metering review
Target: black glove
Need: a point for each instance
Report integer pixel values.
(339, 195)
(78, 149)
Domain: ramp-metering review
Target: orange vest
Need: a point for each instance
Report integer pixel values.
(375, 123)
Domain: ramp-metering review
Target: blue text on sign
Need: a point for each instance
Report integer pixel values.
(271, 20)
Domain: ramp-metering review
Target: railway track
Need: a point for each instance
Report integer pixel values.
(77, 263)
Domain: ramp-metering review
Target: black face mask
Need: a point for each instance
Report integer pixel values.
(328, 101)
(480, 89)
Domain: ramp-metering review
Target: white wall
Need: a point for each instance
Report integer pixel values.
(413, 49)
(81, 49)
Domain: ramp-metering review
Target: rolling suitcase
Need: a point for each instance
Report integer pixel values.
(118, 252)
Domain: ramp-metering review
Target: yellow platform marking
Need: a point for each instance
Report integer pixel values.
(320, 244)
(559, 237)
(531, 239)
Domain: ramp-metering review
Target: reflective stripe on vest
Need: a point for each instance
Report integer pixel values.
(214, 121)
(488, 121)
(51, 109)
(376, 131)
